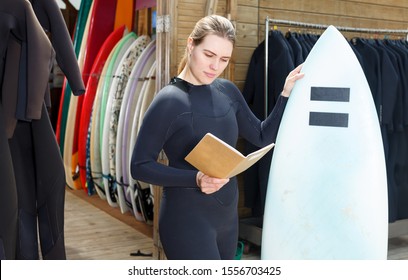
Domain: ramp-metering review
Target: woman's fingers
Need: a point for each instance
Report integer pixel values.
(210, 184)
(293, 76)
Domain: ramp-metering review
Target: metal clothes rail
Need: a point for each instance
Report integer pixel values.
(315, 26)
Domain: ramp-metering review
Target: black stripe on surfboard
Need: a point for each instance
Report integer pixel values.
(330, 94)
(328, 119)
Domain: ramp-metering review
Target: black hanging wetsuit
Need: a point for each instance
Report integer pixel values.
(194, 225)
(39, 175)
(8, 198)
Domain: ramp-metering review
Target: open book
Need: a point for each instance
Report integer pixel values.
(214, 157)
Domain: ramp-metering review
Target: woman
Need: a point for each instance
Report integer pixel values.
(198, 216)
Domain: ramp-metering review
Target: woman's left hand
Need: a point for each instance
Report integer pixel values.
(209, 185)
(291, 79)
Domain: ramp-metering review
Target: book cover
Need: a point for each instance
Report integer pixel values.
(214, 157)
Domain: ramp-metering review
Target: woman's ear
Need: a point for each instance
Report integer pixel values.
(190, 45)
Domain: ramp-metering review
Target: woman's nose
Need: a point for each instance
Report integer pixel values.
(214, 65)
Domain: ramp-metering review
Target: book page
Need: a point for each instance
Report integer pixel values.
(250, 160)
(214, 157)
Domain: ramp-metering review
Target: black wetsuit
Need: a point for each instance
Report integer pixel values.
(194, 225)
(8, 198)
(39, 177)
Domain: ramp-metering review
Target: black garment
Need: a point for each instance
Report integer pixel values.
(8, 198)
(22, 37)
(385, 65)
(27, 57)
(296, 47)
(372, 69)
(392, 117)
(306, 47)
(51, 19)
(18, 30)
(280, 63)
(400, 135)
(40, 179)
(194, 225)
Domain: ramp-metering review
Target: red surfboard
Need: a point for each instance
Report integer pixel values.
(90, 92)
(101, 25)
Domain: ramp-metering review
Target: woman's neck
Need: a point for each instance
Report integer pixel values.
(186, 75)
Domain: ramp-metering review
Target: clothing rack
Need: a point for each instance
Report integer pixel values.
(315, 26)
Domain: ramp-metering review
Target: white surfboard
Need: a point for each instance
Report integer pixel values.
(148, 91)
(95, 150)
(116, 95)
(327, 189)
(110, 191)
(130, 97)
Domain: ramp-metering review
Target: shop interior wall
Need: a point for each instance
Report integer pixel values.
(251, 14)
(373, 14)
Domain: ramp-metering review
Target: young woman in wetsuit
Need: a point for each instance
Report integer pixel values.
(198, 216)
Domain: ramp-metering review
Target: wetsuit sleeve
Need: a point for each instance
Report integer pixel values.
(150, 141)
(259, 133)
(51, 19)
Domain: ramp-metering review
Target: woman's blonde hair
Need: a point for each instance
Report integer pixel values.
(209, 25)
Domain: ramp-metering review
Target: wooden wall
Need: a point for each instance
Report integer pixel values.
(251, 14)
(375, 14)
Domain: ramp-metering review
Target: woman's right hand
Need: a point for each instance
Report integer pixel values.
(209, 185)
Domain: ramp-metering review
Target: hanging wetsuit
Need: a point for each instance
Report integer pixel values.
(18, 30)
(192, 224)
(8, 198)
(51, 19)
(37, 163)
(280, 63)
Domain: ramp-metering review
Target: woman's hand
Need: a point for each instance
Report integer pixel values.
(209, 185)
(291, 79)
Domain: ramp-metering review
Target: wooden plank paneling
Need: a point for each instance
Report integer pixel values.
(390, 3)
(336, 9)
(241, 71)
(198, 8)
(374, 14)
(377, 14)
(248, 14)
(345, 20)
(250, 3)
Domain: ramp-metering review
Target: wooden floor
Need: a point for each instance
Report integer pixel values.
(398, 248)
(96, 231)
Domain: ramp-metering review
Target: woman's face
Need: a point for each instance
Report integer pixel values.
(208, 60)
